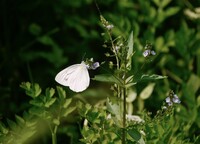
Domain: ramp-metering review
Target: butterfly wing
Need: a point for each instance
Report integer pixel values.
(75, 76)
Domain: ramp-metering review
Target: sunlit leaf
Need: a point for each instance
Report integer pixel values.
(50, 92)
(61, 92)
(130, 50)
(67, 102)
(56, 122)
(171, 11)
(164, 3)
(36, 102)
(20, 120)
(107, 78)
(146, 77)
(50, 102)
(114, 108)
(147, 91)
(67, 111)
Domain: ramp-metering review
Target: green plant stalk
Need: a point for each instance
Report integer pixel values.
(116, 57)
(114, 50)
(53, 134)
(198, 63)
(124, 117)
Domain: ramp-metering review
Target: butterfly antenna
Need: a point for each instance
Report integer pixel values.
(83, 56)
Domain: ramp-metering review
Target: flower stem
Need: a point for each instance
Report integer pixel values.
(54, 137)
(124, 117)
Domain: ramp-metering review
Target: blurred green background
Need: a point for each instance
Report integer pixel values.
(39, 38)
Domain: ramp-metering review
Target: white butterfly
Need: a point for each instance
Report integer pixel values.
(76, 76)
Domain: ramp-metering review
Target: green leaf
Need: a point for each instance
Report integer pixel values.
(36, 102)
(128, 82)
(50, 92)
(25, 85)
(20, 120)
(67, 111)
(56, 122)
(107, 78)
(50, 102)
(3, 128)
(114, 108)
(61, 93)
(67, 102)
(134, 134)
(12, 125)
(157, 2)
(164, 3)
(46, 40)
(171, 11)
(35, 29)
(32, 90)
(130, 51)
(147, 91)
(146, 77)
(193, 83)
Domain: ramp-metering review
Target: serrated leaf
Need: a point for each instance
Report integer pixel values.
(37, 90)
(38, 111)
(20, 120)
(67, 111)
(34, 90)
(67, 102)
(36, 102)
(50, 92)
(61, 93)
(50, 102)
(25, 85)
(147, 91)
(12, 125)
(3, 128)
(107, 78)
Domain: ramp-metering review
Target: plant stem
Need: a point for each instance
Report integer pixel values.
(124, 117)
(54, 137)
(114, 49)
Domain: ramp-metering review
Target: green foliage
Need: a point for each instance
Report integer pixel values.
(44, 107)
(61, 32)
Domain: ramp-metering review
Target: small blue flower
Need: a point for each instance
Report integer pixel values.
(172, 98)
(175, 99)
(153, 52)
(148, 52)
(94, 65)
